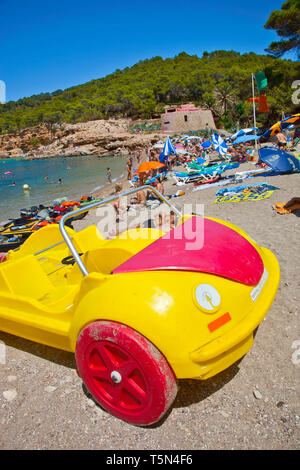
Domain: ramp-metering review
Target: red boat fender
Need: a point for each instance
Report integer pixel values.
(58, 209)
(44, 223)
(70, 204)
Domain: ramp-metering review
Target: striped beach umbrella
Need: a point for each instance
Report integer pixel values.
(180, 149)
(280, 125)
(242, 132)
(219, 144)
(168, 148)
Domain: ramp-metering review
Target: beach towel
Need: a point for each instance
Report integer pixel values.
(278, 207)
(225, 181)
(254, 187)
(246, 196)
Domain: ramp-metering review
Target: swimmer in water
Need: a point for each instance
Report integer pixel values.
(59, 180)
(108, 174)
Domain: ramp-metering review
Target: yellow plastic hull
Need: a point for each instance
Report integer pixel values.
(159, 305)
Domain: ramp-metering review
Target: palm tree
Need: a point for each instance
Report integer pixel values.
(224, 95)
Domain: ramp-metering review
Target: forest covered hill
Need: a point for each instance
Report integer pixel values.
(219, 80)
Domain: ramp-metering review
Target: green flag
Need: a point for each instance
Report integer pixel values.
(261, 81)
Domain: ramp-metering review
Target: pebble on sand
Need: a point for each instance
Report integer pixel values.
(50, 389)
(257, 394)
(10, 395)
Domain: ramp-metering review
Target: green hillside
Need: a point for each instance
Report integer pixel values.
(220, 80)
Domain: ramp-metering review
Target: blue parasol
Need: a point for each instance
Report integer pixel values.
(279, 160)
(245, 138)
(206, 144)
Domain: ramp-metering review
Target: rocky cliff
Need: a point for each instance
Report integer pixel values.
(94, 137)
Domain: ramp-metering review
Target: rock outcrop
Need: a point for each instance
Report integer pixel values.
(94, 137)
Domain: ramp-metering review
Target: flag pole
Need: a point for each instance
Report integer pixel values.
(254, 116)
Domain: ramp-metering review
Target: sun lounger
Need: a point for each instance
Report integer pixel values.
(134, 181)
(193, 166)
(183, 177)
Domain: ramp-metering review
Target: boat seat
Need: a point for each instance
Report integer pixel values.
(112, 253)
(24, 277)
(50, 236)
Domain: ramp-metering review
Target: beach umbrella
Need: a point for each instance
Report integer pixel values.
(245, 138)
(243, 132)
(194, 137)
(147, 166)
(280, 125)
(279, 160)
(168, 148)
(158, 145)
(206, 144)
(219, 144)
(162, 158)
(180, 149)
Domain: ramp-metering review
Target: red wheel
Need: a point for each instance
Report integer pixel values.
(125, 373)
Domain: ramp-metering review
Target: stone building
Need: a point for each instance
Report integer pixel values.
(186, 118)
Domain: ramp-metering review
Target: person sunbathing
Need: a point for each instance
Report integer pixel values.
(281, 140)
(141, 196)
(293, 204)
(235, 154)
(290, 207)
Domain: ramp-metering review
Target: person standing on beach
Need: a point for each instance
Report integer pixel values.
(108, 174)
(138, 157)
(159, 185)
(129, 169)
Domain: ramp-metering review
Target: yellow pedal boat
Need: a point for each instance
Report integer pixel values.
(143, 309)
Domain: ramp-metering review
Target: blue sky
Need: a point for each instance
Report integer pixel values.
(50, 45)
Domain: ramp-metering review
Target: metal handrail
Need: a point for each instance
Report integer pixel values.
(93, 205)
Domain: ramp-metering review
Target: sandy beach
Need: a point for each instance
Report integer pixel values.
(162, 321)
(252, 405)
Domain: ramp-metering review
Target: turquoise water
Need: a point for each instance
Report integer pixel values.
(79, 175)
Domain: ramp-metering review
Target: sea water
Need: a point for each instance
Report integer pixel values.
(79, 175)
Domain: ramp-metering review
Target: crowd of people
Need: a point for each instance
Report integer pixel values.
(190, 150)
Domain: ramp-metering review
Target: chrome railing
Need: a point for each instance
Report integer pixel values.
(94, 205)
